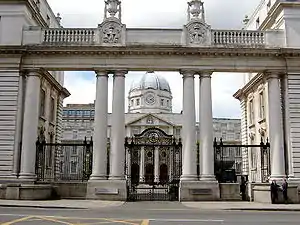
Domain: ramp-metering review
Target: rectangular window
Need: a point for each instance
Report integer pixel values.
(52, 109)
(74, 150)
(75, 134)
(65, 112)
(138, 102)
(73, 167)
(251, 111)
(261, 105)
(162, 102)
(42, 102)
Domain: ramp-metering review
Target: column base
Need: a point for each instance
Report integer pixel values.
(277, 178)
(208, 178)
(98, 177)
(108, 190)
(199, 191)
(188, 178)
(117, 178)
(27, 177)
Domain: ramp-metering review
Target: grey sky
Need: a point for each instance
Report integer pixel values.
(220, 14)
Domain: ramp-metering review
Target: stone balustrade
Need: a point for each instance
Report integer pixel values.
(238, 38)
(91, 36)
(69, 36)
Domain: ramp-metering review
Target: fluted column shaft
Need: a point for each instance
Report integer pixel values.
(275, 128)
(188, 128)
(118, 127)
(206, 129)
(30, 127)
(100, 127)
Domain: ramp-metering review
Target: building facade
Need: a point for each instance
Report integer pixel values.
(18, 89)
(257, 120)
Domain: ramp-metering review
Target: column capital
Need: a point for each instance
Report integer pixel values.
(120, 73)
(273, 74)
(101, 73)
(32, 72)
(205, 74)
(187, 73)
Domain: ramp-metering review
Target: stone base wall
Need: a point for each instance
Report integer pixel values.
(26, 192)
(262, 194)
(230, 192)
(75, 190)
(199, 191)
(109, 190)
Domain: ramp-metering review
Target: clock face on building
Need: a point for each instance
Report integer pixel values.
(150, 99)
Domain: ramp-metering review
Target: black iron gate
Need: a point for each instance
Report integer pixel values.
(63, 161)
(153, 166)
(229, 160)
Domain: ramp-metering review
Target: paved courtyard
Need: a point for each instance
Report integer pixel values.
(144, 213)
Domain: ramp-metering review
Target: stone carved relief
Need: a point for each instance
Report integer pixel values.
(112, 33)
(197, 33)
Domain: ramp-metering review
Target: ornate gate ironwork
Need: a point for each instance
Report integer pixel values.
(63, 161)
(229, 162)
(153, 166)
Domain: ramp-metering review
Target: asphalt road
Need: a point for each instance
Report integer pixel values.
(144, 213)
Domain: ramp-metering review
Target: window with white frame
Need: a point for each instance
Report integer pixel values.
(261, 105)
(42, 102)
(251, 111)
(52, 109)
(253, 158)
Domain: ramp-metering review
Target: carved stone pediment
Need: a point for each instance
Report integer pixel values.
(197, 33)
(112, 32)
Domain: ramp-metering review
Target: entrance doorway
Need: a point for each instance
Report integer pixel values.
(160, 156)
(149, 174)
(163, 174)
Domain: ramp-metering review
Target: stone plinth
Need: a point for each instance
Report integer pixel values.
(28, 192)
(109, 190)
(199, 191)
(230, 192)
(71, 190)
(262, 194)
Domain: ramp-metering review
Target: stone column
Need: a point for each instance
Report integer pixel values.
(189, 128)
(156, 165)
(206, 129)
(142, 165)
(275, 128)
(100, 127)
(19, 124)
(30, 126)
(118, 127)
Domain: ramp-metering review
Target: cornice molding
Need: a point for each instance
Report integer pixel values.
(152, 50)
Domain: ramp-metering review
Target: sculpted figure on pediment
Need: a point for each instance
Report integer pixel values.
(112, 33)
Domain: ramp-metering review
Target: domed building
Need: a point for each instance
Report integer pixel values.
(151, 94)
